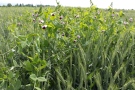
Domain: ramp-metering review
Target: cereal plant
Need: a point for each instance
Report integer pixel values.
(66, 48)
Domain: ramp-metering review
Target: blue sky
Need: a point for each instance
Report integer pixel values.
(119, 4)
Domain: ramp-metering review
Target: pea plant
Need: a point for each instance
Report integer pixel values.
(65, 48)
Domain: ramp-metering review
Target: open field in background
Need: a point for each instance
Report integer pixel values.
(62, 48)
(128, 13)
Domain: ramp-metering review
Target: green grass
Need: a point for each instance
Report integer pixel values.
(87, 49)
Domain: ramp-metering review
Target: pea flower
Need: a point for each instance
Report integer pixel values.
(78, 36)
(34, 20)
(52, 14)
(62, 22)
(41, 21)
(44, 26)
(63, 34)
(131, 19)
(36, 15)
(61, 17)
(125, 23)
(103, 31)
(117, 14)
(33, 15)
(75, 41)
(112, 15)
(98, 12)
(19, 24)
(77, 16)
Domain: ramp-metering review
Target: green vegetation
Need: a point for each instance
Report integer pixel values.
(61, 48)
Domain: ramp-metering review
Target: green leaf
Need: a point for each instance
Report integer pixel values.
(10, 88)
(37, 88)
(41, 79)
(17, 85)
(23, 44)
(121, 13)
(33, 77)
(15, 63)
(2, 84)
(40, 10)
(90, 76)
(43, 62)
(28, 66)
(10, 75)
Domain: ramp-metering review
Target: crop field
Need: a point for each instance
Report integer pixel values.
(66, 48)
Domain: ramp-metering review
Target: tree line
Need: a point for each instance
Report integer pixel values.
(23, 5)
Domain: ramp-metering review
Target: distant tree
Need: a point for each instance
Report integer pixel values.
(17, 5)
(20, 5)
(9, 4)
(3, 6)
(23, 5)
(29, 5)
(40, 5)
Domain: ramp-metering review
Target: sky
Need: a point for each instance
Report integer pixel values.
(117, 4)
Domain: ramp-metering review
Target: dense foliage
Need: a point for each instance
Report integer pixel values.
(65, 48)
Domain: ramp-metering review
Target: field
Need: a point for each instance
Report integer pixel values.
(64, 48)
